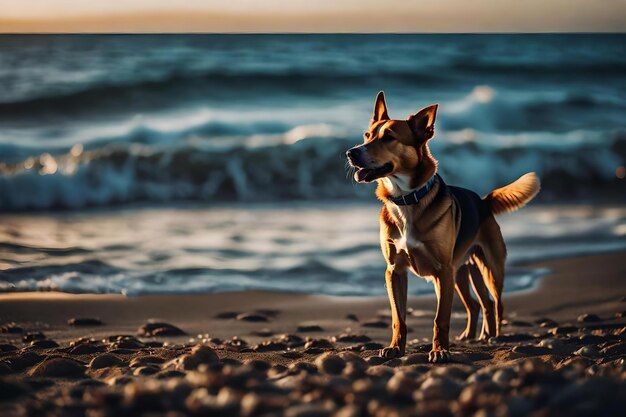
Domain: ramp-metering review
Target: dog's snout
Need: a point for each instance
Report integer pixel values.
(353, 153)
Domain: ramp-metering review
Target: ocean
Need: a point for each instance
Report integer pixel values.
(207, 163)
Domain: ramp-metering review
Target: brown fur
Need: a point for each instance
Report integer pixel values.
(422, 237)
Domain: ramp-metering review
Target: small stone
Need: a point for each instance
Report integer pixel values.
(159, 329)
(319, 344)
(44, 344)
(415, 359)
(145, 360)
(504, 376)
(11, 328)
(84, 321)
(262, 333)
(292, 354)
(330, 363)
(371, 346)
(5, 347)
(402, 385)
(270, 346)
(146, 370)
(352, 338)
(563, 329)
(589, 351)
(58, 367)
(546, 322)
(588, 318)
(375, 360)
(227, 315)
(378, 324)
(106, 360)
(352, 317)
(530, 350)
(438, 388)
(309, 328)
(29, 337)
(252, 317)
(87, 349)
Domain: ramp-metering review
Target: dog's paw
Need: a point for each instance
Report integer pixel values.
(439, 356)
(391, 352)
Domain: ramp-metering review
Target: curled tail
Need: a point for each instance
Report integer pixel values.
(515, 195)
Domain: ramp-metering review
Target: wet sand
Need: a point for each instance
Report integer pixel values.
(258, 353)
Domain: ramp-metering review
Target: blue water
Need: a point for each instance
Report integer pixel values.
(267, 117)
(207, 163)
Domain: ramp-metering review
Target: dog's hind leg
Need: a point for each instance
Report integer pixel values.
(478, 285)
(491, 264)
(471, 305)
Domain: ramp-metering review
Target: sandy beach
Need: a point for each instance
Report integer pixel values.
(262, 353)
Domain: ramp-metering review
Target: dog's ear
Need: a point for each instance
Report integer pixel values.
(422, 123)
(380, 108)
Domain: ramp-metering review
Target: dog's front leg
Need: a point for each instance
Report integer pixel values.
(444, 287)
(396, 279)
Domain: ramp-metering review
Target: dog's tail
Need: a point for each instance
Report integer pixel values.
(515, 195)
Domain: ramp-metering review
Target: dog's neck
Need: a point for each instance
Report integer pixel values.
(399, 185)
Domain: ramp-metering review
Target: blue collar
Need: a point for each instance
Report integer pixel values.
(415, 196)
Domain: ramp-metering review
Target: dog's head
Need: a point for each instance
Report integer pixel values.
(394, 147)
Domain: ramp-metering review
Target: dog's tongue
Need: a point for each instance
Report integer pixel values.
(361, 175)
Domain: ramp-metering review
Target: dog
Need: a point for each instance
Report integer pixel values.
(446, 234)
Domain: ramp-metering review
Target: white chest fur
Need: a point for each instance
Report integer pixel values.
(407, 239)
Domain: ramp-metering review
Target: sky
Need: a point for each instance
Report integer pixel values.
(312, 16)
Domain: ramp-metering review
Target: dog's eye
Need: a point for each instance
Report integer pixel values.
(367, 135)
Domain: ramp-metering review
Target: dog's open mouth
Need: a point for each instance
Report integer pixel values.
(370, 174)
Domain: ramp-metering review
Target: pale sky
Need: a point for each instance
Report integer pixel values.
(312, 16)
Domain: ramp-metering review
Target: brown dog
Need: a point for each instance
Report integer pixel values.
(446, 234)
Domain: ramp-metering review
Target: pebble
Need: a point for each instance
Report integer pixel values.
(145, 360)
(11, 328)
(375, 360)
(351, 338)
(270, 346)
(530, 350)
(151, 329)
(252, 317)
(330, 363)
(44, 344)
(504, 376)
(378, 324)
(87, 349)
(352, 317)
(262, 333)
(309, 328)
(5, 347)
(588, 351)
(402, 385)
(563, 329)
(58, 367)
(415, 358)
(438, 388)
(319, 344)
(588, 318)
(29, 337)
(227, 315)
(146, 370)
(371, 346)
(84, 321)
(106, 360)
(546, 322)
